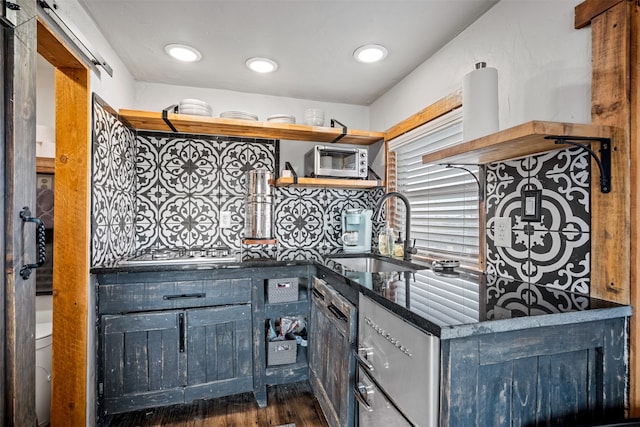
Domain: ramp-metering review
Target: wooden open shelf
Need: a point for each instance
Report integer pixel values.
(329, 182)
(520, 141)
(153, 121)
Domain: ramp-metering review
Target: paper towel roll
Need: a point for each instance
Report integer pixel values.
(479, 102)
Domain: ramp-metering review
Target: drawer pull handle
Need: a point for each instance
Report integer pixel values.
(336, 312)
(317, 294)
(362, 396)
(184, 296)
(362, 361)
(182, 332)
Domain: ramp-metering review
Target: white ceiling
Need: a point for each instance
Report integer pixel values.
(312, 41)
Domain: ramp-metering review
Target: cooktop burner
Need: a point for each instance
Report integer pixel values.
(214, 254)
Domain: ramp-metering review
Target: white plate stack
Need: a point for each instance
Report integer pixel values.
(281, 118)
(313, 117)
(238, 115)
(194, 107)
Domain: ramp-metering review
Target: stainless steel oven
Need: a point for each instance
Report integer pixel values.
(399, 369)
(336, 162)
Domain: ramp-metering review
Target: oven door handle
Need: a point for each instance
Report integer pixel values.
(358, 391)
(361, 360)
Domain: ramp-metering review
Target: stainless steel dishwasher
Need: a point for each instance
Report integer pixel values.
(331, 348)
(399, 370)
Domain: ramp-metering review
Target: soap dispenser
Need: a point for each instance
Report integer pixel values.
(398, 249)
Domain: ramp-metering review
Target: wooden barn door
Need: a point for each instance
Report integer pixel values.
(17, 176)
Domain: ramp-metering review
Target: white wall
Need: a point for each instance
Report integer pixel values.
(45, 109)
(543, 63)
(117, 91)
(156, 97)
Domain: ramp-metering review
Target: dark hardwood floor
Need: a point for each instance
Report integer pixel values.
(288, 404)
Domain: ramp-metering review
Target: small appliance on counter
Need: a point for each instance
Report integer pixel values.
(356, 230)
(258, 221)
(336, 162)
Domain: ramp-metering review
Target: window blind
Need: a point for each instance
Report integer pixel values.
(445, 217)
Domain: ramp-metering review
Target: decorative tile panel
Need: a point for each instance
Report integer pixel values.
(113, 187)
(556, 250)
(187, 181)
(159, 190)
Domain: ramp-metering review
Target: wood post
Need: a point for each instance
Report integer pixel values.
(615, 26)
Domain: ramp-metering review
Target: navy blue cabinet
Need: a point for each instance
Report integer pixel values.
(167, 338)
(571, 374)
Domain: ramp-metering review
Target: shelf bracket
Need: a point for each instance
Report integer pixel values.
(288, 167)
(603, 161)
(344, 130)
(371, 172)
(481, 172)
(165, 116)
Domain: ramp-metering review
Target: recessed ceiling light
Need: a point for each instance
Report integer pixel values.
(370, 53)
(261, 65)
(182, 52)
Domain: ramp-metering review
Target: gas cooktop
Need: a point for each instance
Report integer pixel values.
(214, 254)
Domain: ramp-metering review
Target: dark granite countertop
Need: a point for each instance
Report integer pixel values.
(450, 305)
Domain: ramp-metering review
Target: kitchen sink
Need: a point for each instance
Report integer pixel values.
(370, 264)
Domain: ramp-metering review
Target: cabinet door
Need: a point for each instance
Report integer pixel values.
(219, 352)
(330, 347)
(141, 361)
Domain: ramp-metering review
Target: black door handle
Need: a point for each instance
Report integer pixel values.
(25, 271)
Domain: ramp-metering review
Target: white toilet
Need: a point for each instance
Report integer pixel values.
(44, 321)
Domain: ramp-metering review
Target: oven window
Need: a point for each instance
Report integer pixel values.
(338, 160)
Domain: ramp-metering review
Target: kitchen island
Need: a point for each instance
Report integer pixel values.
(510, 353)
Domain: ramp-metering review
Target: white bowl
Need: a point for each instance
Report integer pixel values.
(195, 112)
(281, 118)
(314, 121)
(194, 102)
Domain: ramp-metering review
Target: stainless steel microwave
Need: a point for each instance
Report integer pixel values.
(336, 162)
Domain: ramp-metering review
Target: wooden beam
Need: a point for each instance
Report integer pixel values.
(634, 82)
(433, 111)
(45, 165)
(610, 93)
(634, 138)
(53, 50)
(615, 97)
(71, 247)
(589, 9)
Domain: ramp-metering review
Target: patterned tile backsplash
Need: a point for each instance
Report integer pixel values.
(168, 190)
(158, 190)
(114, 187)
(556, 250)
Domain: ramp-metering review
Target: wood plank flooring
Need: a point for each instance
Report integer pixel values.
(291, 403)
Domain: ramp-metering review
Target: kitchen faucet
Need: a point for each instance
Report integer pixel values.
(408, 248)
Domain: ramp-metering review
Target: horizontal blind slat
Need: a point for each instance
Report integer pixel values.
(444, 201)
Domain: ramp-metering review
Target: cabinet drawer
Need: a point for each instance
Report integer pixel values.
(161, 295)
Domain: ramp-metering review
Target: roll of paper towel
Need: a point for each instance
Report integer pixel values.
(479, 102)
